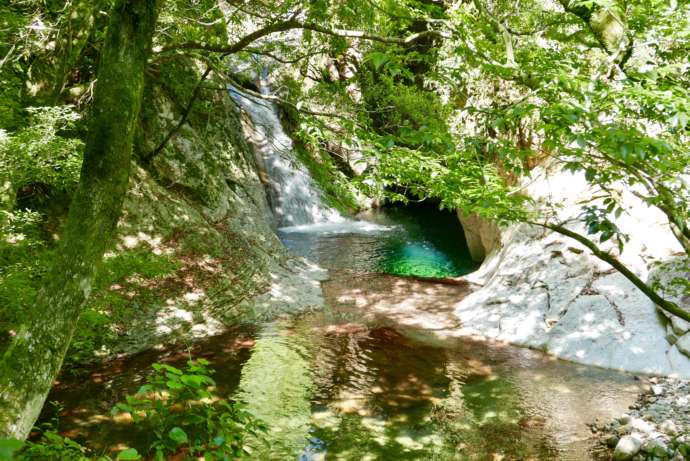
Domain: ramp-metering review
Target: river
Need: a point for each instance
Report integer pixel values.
(375, 374)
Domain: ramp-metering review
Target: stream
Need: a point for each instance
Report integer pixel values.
(372, 376)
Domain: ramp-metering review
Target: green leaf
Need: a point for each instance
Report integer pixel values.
(172, 369)
(218, 440)
(8, 447)
(193, 380)
(129, 454)
(378, 59)
(178, 435)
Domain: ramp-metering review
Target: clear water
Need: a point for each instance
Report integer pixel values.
(372, 376)
(414, 240)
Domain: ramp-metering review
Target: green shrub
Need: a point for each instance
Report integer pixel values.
(183, 415)
(51, 446)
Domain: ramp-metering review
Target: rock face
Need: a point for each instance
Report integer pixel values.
(482, 236)
(543, 290)
(201, 200)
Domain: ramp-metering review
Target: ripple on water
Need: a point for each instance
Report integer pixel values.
(379, 374)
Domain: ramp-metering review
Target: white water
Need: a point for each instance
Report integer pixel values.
(295, 197)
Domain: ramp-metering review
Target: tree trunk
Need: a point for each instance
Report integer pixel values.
(34, 357)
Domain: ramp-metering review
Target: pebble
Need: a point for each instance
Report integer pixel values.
(655, 427)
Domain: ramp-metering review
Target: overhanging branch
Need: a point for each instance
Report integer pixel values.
(292, 24)
(668, 306)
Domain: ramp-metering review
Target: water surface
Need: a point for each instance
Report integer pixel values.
(414, 240)
(376, 374)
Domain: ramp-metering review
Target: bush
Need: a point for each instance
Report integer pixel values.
(178, 411)
(183, 415)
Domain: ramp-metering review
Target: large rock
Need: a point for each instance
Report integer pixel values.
(543, 290)
(201, 199)
(627, 448)
(482, 236)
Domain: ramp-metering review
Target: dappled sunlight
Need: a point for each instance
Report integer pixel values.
(342, 388)
(293, 194)
(409, 302)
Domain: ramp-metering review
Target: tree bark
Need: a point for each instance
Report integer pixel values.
(34, 357)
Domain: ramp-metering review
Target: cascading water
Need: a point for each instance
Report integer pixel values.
(295, 197)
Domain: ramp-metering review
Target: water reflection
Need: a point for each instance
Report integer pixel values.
(378, 374)
(335, 388)
(417, 240)
(276, 385)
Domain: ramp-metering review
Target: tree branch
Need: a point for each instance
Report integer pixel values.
(291, 24)
(668, 306)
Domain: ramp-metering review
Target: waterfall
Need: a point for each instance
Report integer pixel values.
(295, 198)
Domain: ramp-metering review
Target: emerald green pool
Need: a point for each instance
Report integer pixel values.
(417, 240)
(365, 379)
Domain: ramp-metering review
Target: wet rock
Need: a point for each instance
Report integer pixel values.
(612, 441)
(655, 448)
(627, 447)
(661, 422)
(624, 420)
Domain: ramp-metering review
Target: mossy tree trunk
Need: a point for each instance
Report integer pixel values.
(33, 360)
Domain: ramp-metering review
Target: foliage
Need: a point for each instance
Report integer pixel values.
(178, 410)
(40, 153)
(49, 446)
(24, 256)
(185, 415)
(108, 311)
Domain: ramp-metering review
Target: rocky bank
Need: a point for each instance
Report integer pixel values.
(545, 291)
(656, 427)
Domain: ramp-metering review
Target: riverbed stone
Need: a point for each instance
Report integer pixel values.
(627, 448)
(669, 427)
(655, 447)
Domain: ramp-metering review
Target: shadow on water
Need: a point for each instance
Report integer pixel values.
(373, 376)
(419, 240)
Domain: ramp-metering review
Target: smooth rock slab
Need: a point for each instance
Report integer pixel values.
(542, 290)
